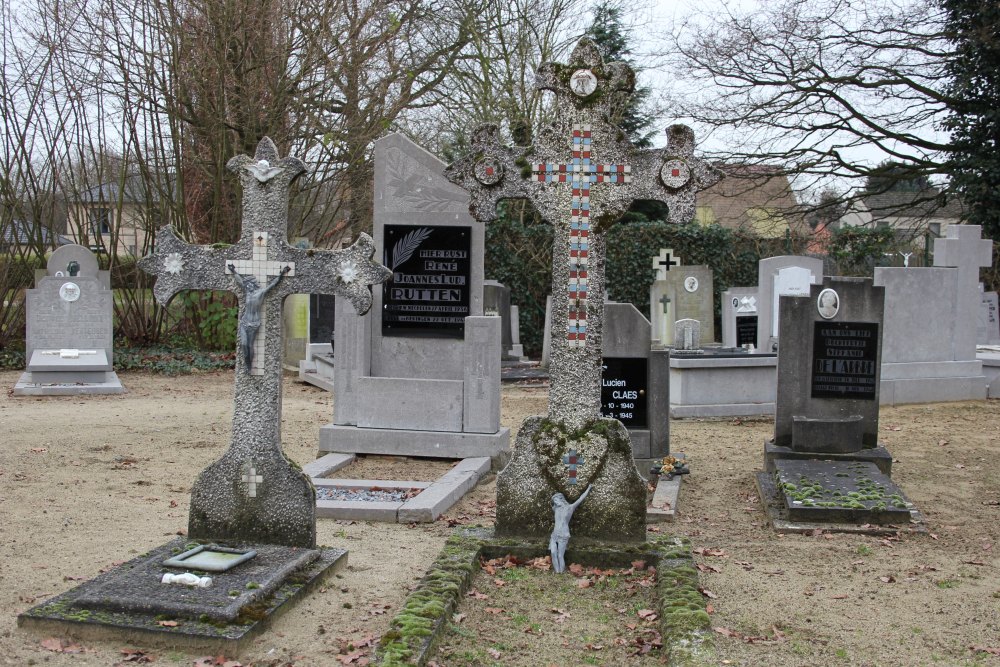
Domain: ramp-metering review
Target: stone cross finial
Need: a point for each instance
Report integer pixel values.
(582, 175)
(663, 262)
(229, 501)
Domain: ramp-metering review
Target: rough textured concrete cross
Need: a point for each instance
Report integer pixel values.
(284, 511)
(588, 92)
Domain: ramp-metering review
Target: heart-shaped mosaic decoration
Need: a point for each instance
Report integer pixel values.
(571, 463)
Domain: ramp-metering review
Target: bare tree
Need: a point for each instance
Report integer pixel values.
(810, 84)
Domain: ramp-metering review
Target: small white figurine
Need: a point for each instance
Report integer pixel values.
(560, 532)
(187, 579)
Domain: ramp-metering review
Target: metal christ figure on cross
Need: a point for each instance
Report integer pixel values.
(253, 297)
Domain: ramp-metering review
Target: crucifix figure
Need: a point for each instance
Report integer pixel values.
(227, 502)
(581, 175)
(253, 299)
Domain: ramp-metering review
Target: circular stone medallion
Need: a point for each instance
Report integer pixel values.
(69, 292)
(691, 284)
(828, 304)
(583, 82)
(488, 171)
(675, 173)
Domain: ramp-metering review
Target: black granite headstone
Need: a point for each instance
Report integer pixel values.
(624, 385)
(746, 330)
(429, 288)
(321, 317)
(845, 360)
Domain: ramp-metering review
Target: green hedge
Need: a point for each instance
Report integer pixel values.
(519, 256)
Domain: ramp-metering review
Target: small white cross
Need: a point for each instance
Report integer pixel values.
(252, 479)
(262, 269)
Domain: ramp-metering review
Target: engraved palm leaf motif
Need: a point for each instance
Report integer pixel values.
(406, 246)
(415, 190)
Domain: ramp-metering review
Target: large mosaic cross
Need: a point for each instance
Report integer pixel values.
(575, 150)
(254, 493)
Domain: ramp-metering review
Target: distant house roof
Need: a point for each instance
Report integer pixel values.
(135, 190)
(21, 232)
(916, 205)
(753, 197)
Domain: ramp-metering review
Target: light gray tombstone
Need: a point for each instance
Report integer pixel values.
(988, 323)
(635, 383)
(254, 493)
(786, 275)
(496, 301)
(69, 339)
(687, 293)
(687, 335)
(740, 317)
(581, 176)
(964, 249)
(420, 375)
(929, 345)
(547, 334)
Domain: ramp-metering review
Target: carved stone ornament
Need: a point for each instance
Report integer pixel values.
(583, 82)
(675, 173)
(488, 171)
(69, 292)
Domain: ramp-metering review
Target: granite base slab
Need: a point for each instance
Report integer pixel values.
(403, 442)
(778, 518)
(879, 456)
(38, 384)
(434, 498)
(129, 602)
(839, 491)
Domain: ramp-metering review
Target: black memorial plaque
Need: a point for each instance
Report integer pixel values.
(321, 317)
(624, 390)
(746, 330)
(429, 288)
(845, 360)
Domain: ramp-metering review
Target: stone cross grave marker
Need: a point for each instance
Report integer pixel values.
(966, 250)
(581, 175)
(253, 493)
(663, 262)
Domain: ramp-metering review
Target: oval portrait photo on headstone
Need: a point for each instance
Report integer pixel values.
(828, 304)
(691, 284)
(69, 292)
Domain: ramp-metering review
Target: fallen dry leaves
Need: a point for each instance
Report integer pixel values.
(57, 645)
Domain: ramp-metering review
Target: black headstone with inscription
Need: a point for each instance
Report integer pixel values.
(746, 330)
(429, 288)
(624, 387)
(845, 360)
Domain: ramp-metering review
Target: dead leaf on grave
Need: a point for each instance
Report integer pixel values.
(984, 649)
(575, 569)
(704, 567)
(495, 654)
(888, 580)
(493, 610)
(838, 597)
(647, 614)
(974, 562)
(895, 428)
(709, 609)
(39, 450)
(477, 595)
(584, 583)
(136, 655)
(594, 647)
(707, 551)
(499, 583)
(457, 618)
(726, 632)
(707, 593)
(168, 624)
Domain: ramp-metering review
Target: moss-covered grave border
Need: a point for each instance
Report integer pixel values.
(421, 621)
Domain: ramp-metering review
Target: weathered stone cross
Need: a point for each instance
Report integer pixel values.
(231, 500)
(663, 261)
(588, 93)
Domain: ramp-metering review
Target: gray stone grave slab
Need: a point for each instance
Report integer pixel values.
(988, 322)
(929, 351)
(443, 383)
(687, 293)
(740, 317)
(496, 301)
(69, 340)
(627, 342)
(840, 491)
(581, 175)
(129, 602)
(776, 276)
